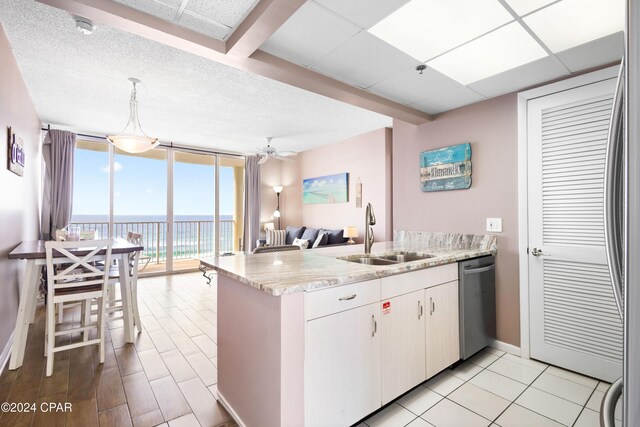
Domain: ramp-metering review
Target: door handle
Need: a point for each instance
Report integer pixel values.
(420, 310)
(432, 306)
(538, 252)
(374, 325)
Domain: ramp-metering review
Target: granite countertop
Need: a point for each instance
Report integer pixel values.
(279, 273)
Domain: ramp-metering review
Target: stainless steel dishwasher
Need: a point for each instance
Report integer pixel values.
(477, 280)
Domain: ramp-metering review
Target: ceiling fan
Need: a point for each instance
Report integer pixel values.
(268, 152)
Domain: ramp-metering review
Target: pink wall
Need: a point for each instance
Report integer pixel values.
(19, 218)
(492, 129)
(367, 157)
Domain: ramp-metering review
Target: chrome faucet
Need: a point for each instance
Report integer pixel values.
(369, 220)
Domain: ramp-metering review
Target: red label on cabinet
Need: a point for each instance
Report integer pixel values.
(386, 307)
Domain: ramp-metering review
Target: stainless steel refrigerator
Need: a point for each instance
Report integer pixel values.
(622, 222)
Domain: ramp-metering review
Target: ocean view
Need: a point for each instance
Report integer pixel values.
(193, 237)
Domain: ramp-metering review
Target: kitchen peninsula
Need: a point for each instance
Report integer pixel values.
(317, 338)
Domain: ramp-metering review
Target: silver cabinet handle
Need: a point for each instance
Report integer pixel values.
(479, 269)
(374, 325)
(432, 306)
(420, 310)
(608, 405)
(537, 252)
(613, 199)
(347, 298)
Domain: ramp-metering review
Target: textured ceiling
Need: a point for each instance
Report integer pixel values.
(81, 82)
(214, 18)
(333, 37)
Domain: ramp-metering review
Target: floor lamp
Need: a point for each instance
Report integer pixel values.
(276, 214)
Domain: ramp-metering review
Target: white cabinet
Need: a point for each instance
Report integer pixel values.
(342, 373)
(442, 333)
(402, 334)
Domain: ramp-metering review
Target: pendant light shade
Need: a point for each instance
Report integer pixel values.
(133, 139)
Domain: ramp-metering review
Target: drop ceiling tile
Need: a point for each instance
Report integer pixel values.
(533, 73)
(364, 60)
(571, 23)
(412, 86)
(425, 29)
(522, 7)
(161, 9)
(458, 97)
(595, 53)
(503, 49)
(204, 26)
(304, 37)
(363, 13)
(226, 12)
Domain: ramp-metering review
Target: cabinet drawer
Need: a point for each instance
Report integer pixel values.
(332, 300)
(419, 279)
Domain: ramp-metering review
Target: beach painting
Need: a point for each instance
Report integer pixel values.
(326, 189)
(446, 168)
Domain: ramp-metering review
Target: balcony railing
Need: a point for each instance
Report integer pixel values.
(191, 239)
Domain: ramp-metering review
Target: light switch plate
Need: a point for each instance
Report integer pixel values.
(494, 225)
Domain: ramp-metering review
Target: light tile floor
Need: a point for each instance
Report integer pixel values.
(494, 388)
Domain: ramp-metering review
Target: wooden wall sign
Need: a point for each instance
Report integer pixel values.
(15, 154)
(446, 168)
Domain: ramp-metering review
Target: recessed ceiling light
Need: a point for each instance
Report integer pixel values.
(571, 23)
(84, 25)
(427, 28)
(498, 51)
(522, 7)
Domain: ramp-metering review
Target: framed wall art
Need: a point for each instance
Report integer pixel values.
(326, 189)
(446, 168)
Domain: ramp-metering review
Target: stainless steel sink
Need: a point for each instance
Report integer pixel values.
(404, 257)
(371, 261)
(388, 259)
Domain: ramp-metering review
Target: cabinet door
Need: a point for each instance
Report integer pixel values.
(442, 333)
(402, 333)
(342, 367)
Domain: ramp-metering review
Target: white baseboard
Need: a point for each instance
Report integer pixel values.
(6, 352)
(229, 409)
(503, 346)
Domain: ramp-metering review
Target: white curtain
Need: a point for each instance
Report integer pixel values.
(251, 203)
(58, 153)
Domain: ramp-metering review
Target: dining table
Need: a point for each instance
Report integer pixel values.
(33, 251)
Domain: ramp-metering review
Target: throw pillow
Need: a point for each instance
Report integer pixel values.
(322, 239)
(311, 234)
(276, 237)
(335, 236)
(294, 232)
(303, 243)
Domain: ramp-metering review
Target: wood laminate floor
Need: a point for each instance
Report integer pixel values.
(167, 377)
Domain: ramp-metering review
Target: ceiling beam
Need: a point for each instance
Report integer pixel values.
(260, 24)
(116, 15)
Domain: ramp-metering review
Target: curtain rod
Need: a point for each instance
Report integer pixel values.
(165, 145)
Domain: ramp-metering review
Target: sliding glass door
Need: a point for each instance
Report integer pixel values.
(186, 204)
(140, 202)
(194, 201)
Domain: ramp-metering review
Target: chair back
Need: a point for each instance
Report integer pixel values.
(74, 271)
(278, 248)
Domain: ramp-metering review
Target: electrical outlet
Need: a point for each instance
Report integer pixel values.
(494, 225)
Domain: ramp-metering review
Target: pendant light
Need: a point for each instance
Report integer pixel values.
(133, 139)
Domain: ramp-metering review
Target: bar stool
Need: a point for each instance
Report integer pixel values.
(72, 278)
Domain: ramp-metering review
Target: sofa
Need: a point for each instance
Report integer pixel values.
(333, 237)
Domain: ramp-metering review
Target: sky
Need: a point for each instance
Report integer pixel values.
(141, 186)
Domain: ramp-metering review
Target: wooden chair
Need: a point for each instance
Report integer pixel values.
(72, 278)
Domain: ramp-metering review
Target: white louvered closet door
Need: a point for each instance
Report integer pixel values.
(574, 323)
